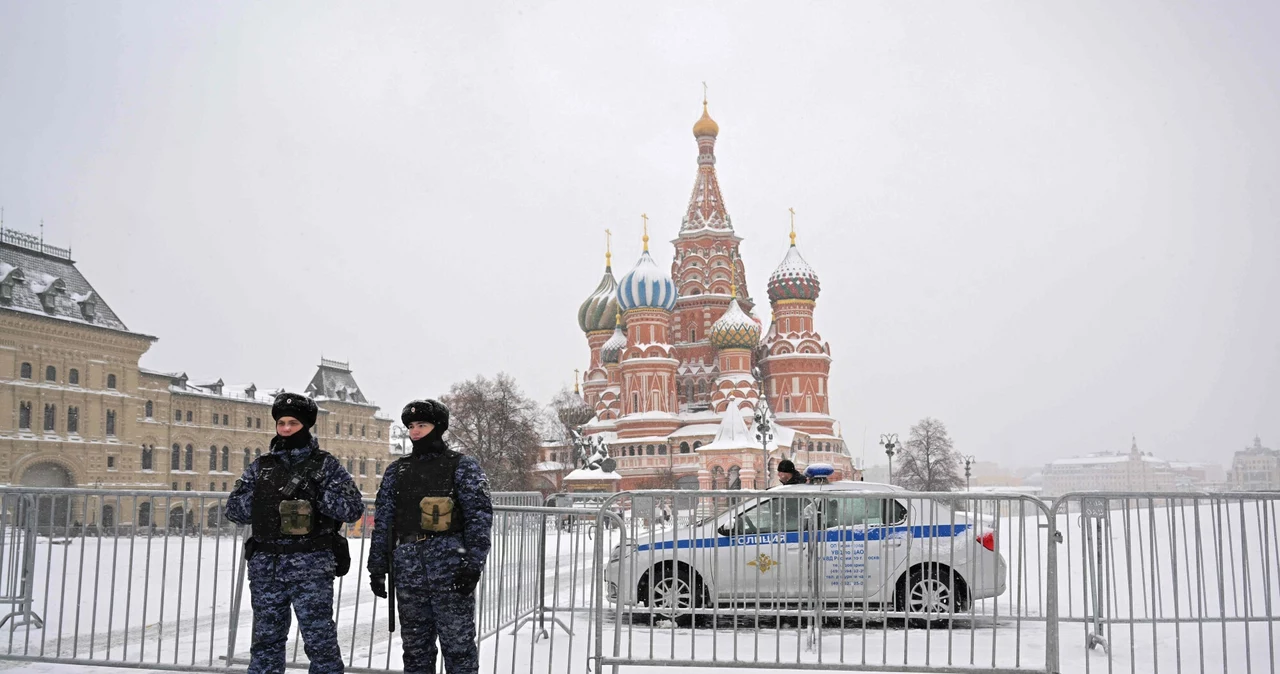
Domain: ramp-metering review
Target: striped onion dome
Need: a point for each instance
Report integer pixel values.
(647, 287)
(794, 279)
(611, 350)
(735, 329)
(598, 311)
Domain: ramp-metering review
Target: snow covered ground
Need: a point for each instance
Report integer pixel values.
(1187, 587)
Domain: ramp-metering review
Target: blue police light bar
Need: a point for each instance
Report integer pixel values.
(819, 470)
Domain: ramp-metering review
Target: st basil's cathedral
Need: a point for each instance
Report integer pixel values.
(671, 377)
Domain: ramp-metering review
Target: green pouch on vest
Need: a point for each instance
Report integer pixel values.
(437, 513)
(295, 518)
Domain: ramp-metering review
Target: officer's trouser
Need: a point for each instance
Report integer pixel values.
(312, 600)
(426, 615)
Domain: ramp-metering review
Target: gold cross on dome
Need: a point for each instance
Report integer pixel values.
(792, 211)
(645, 218)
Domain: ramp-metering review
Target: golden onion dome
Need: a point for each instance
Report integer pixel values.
(705, 126)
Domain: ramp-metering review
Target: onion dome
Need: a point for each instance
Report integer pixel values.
(611, 350)
(794, 279)
(735, 329)
(598, 311)
(705, 126)
(647, 286)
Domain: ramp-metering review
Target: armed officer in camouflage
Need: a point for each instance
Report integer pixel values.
(434, 516)
(296, 498)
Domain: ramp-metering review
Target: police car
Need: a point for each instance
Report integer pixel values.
(794, 545)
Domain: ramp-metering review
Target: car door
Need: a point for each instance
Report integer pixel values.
(760, 553)
(864, 547)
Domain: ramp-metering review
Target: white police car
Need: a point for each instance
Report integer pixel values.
(823, 542)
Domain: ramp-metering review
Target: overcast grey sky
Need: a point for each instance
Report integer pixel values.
(1050, 225)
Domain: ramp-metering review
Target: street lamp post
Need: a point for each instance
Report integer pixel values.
(764, 428)
(890, 442)
(968, 462)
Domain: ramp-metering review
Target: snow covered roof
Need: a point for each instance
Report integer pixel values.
(732, 434)
(695, 429)
(44, 281)
(1100, 459)
(333, 381)
(582, 474)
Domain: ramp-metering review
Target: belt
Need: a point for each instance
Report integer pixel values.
(405, 539)
(285, 546)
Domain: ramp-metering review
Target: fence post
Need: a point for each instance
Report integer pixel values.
(1052, 662)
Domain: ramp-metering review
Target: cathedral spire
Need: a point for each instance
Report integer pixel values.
(706, 206)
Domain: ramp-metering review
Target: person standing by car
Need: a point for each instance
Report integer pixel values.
(296, 497)
(787, 473)
(432, 531)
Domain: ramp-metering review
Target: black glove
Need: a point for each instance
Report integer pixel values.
(378, 583)
(465, 580)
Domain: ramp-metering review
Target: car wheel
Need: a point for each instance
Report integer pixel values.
(930, 593)
(673, 594)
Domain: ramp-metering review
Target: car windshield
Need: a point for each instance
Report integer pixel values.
(852, 512)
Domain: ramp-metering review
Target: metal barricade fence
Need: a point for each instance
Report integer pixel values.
(17, 560)
(834, 579)
(1170, 581)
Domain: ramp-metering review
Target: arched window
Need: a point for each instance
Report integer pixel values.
(246, 458)
(144, 514)
(693, 333)
(24, 416)
(175, 458)
(735, 479)
(226, 459)
(111, 381)
(648, 450)
(111, 422)
(73, 419)
(148, 457)
(662, 450)
(696, 445)
(213, 459)
(51, 373)
(50, 416)
(717, 478)
(631, 450)
(257, 452)
(26, 371)
(635, 401)
(149, 409)
(189, 459)
(73, 377)
(684, 448)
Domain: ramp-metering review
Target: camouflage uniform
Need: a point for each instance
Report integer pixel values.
(303, 579)
(425, 570)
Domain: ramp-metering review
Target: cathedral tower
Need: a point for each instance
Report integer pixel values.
(647, 296)
(596, 319)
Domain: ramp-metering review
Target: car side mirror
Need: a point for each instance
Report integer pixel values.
(728, 528)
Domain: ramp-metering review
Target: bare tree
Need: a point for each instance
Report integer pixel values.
(493, 421)
(927, 461)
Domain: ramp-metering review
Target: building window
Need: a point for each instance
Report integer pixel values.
(73, 419)
(151, 408)
(50, 412)
(177, 416)
(226, 421)
(189, 458)
(786, 404)
(51, 373)
(111, 381)
(188, 486)
(379, 433)
(337, 429)
(111, 422)
(73, 377)
(212, 486)
(188, 416)
(362, 431)
(246, 458)
(363, 467)
(26, 370)
(377, 467)
(693, 333)
(257, 452)
(226, 459)
(111, 463)
(631, 451)
(684, 448)
(175, 460)
(648, 450)
(175, 488)
(351, 429)
(24, 416)
(148, 457)
(696, 445)
(635, 401)
(257, 422)
(224, 486)
(662, 450)
(213, 459)
(248, 422)
(350, 465)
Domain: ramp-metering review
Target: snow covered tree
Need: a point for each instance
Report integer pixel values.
(492, 420)
(927, 461)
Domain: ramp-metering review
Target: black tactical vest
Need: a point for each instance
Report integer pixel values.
(302, 519)
(425, 500)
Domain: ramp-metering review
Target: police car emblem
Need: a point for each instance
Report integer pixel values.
(763, 563)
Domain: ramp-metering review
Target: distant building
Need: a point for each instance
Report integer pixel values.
(1109, 472)
(1255, 468)
(81, 412)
